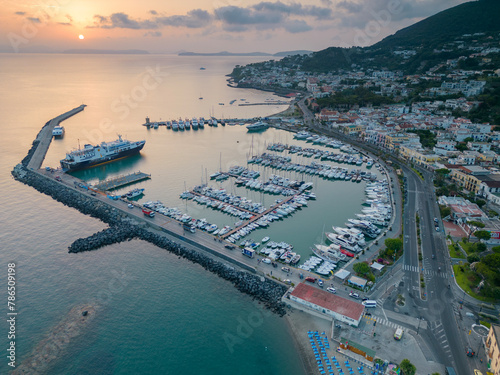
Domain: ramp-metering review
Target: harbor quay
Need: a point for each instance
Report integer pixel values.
(267, 282)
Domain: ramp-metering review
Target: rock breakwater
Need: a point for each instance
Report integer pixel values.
(267, 291)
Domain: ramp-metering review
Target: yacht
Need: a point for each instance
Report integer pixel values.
(356, 234)
(259, 125)
(329, 253)
(345, 242)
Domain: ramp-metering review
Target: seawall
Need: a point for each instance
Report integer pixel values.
(122, 228)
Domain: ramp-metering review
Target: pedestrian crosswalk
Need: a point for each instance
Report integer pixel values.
(383, 321)
(425, 272)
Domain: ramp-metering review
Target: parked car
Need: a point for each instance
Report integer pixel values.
(311, 279)
(287, 281)
(266, 261)
(331, 290)
(354, 295)
(285, 269)
(320, 283)
(437, 229)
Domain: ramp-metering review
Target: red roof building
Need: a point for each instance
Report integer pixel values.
(327, 304)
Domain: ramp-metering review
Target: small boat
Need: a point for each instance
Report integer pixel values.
(58, 131)
(265, 239)
(134, 193)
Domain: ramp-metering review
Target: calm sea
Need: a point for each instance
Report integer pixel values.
(168, 316)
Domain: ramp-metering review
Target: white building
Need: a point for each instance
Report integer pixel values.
(326, 305)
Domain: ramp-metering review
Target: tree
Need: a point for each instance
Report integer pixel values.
(361, 268)
(480, 202)
(407, 367)
(480, 247)
(473, 225)
(473, 258)
(394, 244)
(482, 234)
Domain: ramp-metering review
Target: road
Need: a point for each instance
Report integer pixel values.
(438, 307)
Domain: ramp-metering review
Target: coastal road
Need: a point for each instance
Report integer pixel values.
(440, 305)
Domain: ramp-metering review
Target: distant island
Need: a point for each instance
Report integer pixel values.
(225, 53)
(108, 51)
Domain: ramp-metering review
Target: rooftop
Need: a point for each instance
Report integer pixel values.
(329, 301)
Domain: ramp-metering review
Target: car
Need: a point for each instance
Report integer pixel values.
(364, 299)
(58, 178)
(320, 283)
(266, 261)
(477, 372)
(285, 269)
(287, 281)
(436, 220)
(470, 352)
(232, 247)
(310, 279)
(353, 295)
(130, 205)
(437, 229)
(368, 314)
(331, 290)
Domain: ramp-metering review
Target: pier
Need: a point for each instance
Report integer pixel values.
(266, 103)
(257, 216)
(45, 137)
(120, 181)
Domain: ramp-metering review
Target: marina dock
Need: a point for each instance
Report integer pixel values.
(266, 103)
(45, 137)
(120, 181)
(257, 216)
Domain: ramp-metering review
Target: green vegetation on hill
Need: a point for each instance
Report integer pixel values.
(467, 18)
(434, 40)
(348, 98)
(427, 138)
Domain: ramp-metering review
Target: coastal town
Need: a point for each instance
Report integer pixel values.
(408, 285)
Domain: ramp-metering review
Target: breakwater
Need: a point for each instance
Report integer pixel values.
(122, 228)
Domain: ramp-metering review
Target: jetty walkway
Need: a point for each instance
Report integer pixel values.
(120, 181)
(45, 137)
(256, 216)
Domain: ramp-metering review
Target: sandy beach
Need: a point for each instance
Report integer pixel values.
(299, 324)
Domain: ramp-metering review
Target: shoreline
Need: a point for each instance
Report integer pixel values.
(298, 323)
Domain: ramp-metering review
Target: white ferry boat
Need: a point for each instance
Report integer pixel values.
(99, 154)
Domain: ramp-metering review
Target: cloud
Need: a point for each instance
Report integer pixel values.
(153, 33)
(358, 13)
(34, 19)
(297, 26)
(265, 15)
(64, 23)
(195, 18)
(20, 13)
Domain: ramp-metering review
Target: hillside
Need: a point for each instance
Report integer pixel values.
(440, 32)
(468, 18)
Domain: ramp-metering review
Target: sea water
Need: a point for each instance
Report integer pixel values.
(156, 313)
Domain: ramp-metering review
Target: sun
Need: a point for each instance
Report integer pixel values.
(81, 36)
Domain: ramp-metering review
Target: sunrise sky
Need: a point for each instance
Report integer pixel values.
(205, 26)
